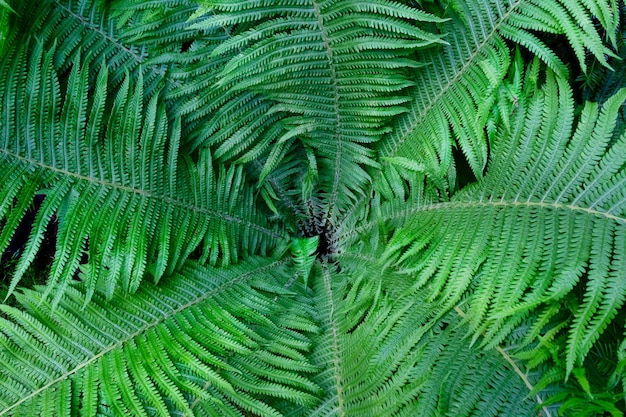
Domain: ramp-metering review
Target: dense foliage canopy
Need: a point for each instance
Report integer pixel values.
(312, 208)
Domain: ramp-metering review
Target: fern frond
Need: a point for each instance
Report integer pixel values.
(200, 344)
(303, 252)
(549, 215)
(332, 74)
(146, 209)
(388, 351)
(462, 78)
(601, 83)
(278, 190)
(592, 389)
(189, 143)
(399, 189)
(130, 36)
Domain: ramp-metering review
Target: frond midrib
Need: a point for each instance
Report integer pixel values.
(149, 194)
(447, 206)
(332, 323)
(338, 122)
(147, 326)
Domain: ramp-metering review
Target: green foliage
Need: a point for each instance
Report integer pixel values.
(350, 77)
(312, 208)
(118, 161)
(389, 351)
(5, 10)
(220, 345)
(303, 251)
(575, 204)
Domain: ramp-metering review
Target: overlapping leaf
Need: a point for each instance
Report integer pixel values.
(386, 350)
(548, 217)
(330, 74)
(201, 343)
(110, 174)
(455, 91)
(140, 125)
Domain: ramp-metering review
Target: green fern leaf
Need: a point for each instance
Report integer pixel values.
(398, 354)
(303, 251)
(456, 79)
(327, 97)
(550, 209)
(379, 208)
(167, 349)
(125, 172)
